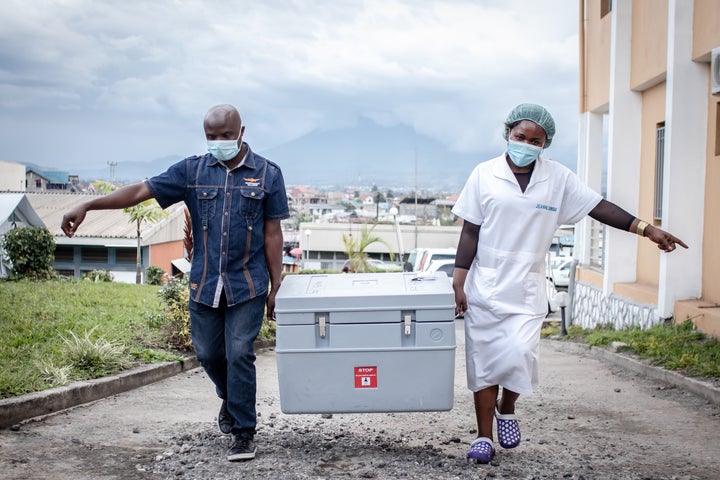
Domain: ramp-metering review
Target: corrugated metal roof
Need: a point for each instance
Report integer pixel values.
(15, 207)
(97, 224)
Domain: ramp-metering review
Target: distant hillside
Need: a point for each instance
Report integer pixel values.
(369, 154)
(363, 155)
(127, 172)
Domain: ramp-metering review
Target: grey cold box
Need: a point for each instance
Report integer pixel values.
(365, 342)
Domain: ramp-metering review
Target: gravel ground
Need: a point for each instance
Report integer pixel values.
(586, 421)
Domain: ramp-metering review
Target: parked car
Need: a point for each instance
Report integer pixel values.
(446, 266)
(433, 254)
(559, 271)
(375, 266)
(414, 258)
(552, 297)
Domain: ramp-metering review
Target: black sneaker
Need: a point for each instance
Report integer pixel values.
(225, 420)
(241, 449)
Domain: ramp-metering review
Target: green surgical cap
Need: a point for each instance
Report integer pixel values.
(534, 113)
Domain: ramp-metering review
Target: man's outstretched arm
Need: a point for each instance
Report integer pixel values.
(123, 198)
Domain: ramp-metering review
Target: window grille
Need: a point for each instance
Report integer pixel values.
(659, 170)
(597, 245)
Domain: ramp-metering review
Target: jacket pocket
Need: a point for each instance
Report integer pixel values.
(251, 200)
(207, 202)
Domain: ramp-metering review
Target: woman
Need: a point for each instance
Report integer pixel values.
(511, 207)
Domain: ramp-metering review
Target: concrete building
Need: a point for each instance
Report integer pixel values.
(645, 97)
(107, 239)
(12, 177)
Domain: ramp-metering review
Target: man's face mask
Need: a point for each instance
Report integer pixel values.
(522, 154)
(224, 150)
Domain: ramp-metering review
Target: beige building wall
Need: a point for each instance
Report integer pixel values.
(649, 43)
(12, 176)
(706, 28)
(653, 113)
(596, 56)
(711, 233)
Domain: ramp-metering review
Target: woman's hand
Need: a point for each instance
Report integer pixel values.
(664, 240)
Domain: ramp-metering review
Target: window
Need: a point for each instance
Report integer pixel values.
(94, 255)
(659, 170)
(126, 256)
(605, 7)
(64, 254)
(38, 183)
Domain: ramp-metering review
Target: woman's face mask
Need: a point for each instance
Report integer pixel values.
(522, 154)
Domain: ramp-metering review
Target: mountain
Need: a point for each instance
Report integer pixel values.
(369, 154)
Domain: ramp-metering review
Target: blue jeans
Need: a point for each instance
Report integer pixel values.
(223, 339)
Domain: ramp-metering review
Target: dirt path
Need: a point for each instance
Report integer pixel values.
(587, 421)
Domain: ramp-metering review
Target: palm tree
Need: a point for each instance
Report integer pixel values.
(355, 248)
(147, 211)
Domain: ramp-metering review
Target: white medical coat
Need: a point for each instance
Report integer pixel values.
(505, 287)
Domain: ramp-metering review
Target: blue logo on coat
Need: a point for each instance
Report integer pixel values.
(546, 207)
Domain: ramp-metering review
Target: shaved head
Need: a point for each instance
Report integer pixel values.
(222, 115)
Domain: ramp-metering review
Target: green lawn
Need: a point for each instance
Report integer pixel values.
(674, 347)
(113, 318)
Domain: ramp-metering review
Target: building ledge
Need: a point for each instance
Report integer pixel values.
(590, 276)
(704, 314)
(639, 292)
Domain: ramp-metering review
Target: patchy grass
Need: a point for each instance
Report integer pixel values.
(678, 347)
(60, 331)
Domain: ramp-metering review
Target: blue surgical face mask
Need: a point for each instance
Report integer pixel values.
(522, 154)
(224, 150)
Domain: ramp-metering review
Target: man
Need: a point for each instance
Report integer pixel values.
(236, 200)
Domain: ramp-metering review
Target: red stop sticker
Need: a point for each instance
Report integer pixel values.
(365, 377)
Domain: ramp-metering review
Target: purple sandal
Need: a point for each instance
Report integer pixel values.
(508, 430)
(481, 451)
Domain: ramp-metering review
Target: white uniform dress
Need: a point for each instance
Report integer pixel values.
(505, 287)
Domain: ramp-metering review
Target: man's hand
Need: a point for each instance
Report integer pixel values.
(270, 303)
(72, 220)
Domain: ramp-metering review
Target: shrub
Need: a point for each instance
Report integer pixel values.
(31, 252)
(175, 318)
(94, 358)
(154, 275)
(98, 276)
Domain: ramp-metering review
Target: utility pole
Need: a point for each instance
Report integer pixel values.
(416, 195)
(112, 166)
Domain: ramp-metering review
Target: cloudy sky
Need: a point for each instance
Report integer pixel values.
(86, 82)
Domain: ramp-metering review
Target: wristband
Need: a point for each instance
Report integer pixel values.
(642, 225)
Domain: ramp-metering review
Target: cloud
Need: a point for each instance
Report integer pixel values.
(144, 72)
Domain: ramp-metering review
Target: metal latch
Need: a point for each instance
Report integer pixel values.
(321, 324)
(408, 323)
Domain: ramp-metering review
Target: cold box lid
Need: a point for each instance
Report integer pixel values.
(365, 297)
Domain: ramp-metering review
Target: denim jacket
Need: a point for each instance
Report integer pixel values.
(228, 209)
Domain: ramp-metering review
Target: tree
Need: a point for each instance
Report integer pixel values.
(147, 211)
(355, 248)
